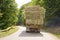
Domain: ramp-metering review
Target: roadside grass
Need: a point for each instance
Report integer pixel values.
(57, 35)
(6, 33)
(51, 31)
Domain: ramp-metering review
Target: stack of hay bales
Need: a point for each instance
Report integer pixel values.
(34, 16)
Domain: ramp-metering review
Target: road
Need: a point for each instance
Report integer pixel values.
(22, 35)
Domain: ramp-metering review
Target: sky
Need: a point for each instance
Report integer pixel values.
(21, 2)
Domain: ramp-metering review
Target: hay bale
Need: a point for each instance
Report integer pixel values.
(34, 15)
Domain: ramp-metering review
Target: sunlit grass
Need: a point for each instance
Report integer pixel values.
(6, 33)
(57, 35)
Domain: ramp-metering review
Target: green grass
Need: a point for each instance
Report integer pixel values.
(6, 33)
(57, 35)
(47, 30)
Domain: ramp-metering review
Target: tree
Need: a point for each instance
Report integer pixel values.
(8, 13)
(51, 6)
(21, 20)
(20, 16)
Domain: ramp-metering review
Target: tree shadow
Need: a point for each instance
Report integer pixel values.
(25, 34)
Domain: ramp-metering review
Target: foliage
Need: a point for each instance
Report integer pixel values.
(21, 20)
(20, 16)
(51, 6)
(8, 13)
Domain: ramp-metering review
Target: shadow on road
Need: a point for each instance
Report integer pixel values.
(25, 34)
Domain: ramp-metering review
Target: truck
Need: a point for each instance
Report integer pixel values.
(34, 16)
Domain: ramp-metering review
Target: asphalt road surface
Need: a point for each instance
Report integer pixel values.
(22, 35)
